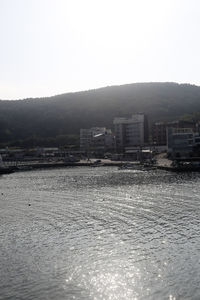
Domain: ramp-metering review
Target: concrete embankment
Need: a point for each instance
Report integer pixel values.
(162, 163)
(39, 165)
(165, 168)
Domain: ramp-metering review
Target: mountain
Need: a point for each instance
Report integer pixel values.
(61, 117)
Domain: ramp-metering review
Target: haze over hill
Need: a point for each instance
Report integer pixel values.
(58, 119)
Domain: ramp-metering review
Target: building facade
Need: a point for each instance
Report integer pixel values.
(96, 139)
(159, 130)
(183, 143)
(130, 132)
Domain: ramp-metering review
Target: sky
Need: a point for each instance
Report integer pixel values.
(50, 47)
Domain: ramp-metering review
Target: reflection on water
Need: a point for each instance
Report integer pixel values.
(86, 233)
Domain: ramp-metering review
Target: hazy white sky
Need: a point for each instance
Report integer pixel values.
(51, 47)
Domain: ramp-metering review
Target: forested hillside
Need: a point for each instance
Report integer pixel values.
(57, 120)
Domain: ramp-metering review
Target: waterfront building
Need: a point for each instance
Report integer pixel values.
(96, 139)
(131, 132)
(86, 137)
(46, 151)
(159, 133)
(159, 130)
(183, 143)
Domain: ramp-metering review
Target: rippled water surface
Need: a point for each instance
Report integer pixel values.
(99, 233)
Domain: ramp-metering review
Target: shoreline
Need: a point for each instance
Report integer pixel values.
(26, 166)
(164, 165)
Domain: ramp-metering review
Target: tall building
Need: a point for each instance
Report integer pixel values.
(130, 132)
(159, 133)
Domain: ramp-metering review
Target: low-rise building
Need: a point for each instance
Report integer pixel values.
(159, 130)
(96, 139)
(183, 143)
(180, 142)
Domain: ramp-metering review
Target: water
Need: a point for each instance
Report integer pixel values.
(99, 233)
